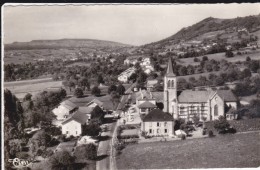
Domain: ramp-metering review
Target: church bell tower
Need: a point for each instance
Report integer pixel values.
(170, 91)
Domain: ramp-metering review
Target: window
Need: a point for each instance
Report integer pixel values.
(169, 83)
(172, 84)
(216, 110)
(158, 124)
(165, 130)
(150, 130)
(67, 132)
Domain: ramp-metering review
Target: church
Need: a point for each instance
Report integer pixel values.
(206, 104)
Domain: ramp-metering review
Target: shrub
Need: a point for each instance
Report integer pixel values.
(221, 124)
(183, 137)
(88, 151)
(204, 132)
(211, 134)
(22, 155)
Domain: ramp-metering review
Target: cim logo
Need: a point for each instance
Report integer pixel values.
(19, 163)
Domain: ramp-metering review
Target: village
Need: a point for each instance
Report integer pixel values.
(108, 101)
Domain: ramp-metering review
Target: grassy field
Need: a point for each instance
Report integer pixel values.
(255, 55)
(21, 88)
(223, 151)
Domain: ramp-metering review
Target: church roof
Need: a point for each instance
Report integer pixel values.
(169, 71)
(227, 95)
(157, 115)
(147, 104)
(190, 96)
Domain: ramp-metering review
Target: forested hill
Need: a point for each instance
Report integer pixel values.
(64, 43)
(251, 23)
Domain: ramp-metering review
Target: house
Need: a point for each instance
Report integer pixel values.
(124, 76)
(158, 123)
(104, 102)
(150, 84)
(64, 109)
(130, 61)
(73, 124)
(186, 104)
(146, 106)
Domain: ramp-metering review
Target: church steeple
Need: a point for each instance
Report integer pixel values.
(169, 72)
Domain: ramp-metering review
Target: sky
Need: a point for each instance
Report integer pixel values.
(129, 24)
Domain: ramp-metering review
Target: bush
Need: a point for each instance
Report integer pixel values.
(204, 132)
(22, 155)
(221, 125)
(183, 137)
(211, 134)
(88, 151)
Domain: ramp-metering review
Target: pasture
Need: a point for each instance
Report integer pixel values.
(255, 55)
(21, 88)
(222, 151)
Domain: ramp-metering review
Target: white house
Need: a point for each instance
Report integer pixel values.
(73, 124)
(64, 109)
(158, 123)
(124, 76)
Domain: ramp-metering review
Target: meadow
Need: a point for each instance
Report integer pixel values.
(222, 151)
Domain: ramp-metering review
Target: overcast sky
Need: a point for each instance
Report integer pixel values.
(130, 24)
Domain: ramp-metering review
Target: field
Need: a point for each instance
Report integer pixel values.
(222, 151)
(21, 88)
(255, 55)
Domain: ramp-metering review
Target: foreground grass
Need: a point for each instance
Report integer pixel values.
(222, 151)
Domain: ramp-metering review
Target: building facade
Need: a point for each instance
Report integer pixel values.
(205, 104)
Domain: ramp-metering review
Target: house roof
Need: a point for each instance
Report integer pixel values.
(151, 82)
(85, 109)
(157, 115)
(98, 102)
(68, 104)
(169, 71)
(227, 95)
(158, 96)
(190, 96)
(78, 117)
(147, 104)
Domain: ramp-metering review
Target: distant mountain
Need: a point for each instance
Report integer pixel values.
(210, 25)
(64, 43)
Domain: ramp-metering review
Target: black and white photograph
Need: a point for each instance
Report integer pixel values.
(130, 86)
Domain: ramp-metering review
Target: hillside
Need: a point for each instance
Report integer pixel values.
(64, 43)
(211, 28)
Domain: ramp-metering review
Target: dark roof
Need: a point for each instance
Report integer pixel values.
(190, 96)
(157, 115)
(77, 116)
(85, 109)
(69, 105)
(227, 95)
(147, 104)
(169, 71)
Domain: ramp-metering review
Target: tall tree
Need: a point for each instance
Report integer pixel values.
(120, 89)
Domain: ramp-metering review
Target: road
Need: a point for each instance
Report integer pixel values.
(106, 160)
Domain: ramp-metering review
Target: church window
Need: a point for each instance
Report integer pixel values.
(158, 124)
(216, 110)
(169, 83)
(165, 130)
(150, 130)
(172, 84)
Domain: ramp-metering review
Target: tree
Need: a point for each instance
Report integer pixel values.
(92, 129)
(88, 151)
(27, 97)
(221, 124)
(83, 82)
(120, 89)
(205, 58)
(95, 91)
(229, 54)
(100, 79)
(248, 58)
(78, 92)
(111, 88)
(71, 84)
(62, 160)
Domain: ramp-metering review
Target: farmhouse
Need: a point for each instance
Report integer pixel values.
(157, 123)
(73, 124)
(208, 105)
(64, 109)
